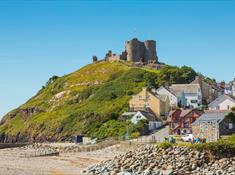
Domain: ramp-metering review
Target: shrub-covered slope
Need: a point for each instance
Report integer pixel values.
(87, 101)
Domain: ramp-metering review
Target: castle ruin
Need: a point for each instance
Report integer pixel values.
(136, 51)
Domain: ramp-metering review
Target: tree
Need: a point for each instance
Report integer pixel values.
(52, 79)
(233, 109)
(150, 80)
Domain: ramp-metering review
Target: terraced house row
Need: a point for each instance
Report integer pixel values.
(198, 108)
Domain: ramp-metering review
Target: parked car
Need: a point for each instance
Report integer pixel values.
(187, 138)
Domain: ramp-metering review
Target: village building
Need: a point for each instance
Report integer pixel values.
(223, 102)
(229, 88)
(189, 95)
(148, 101)
(214, 124)
(172, 97)
(151, 118)
(209, 91)
(233, 88)
(180, 120)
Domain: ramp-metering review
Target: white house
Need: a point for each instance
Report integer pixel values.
(172, 97)
(142, 115)
(223, 102)
(233, 88)
(191, 92)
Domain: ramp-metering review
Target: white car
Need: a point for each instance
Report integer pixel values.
(187, 138)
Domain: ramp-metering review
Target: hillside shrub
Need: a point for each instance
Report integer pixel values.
(176, 75)
(233, 108)
(135, 134)
(165, 145)
(219, 148)
(231, 116)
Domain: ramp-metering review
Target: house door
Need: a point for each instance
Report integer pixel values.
(178, 131)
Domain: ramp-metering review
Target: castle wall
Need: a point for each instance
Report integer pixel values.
(138, 51)
(114, 58)
(135, 50)
(150, 51)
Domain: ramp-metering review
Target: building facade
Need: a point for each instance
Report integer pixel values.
(181, 120)
(209, 91)
(172, 97)
(223, 102)
(143, 115)
(147, 101)
(214, 124)
(190, 92)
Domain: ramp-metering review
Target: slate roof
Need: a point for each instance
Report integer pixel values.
(183, 113)
(128, 113)
(178, 89)
(148, 115)
(220, 99)
(168, 89)
(211, 116)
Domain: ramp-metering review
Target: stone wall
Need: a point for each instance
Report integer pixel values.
(114, 58)
(211, 132)
(135, 50)
(224, 127)
(150, 51)
(207, 131)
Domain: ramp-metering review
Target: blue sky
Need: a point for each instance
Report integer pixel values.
(41, 38)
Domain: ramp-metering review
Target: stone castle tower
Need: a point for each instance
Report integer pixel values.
(138, 51)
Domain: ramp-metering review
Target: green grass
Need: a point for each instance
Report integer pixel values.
(231, 138)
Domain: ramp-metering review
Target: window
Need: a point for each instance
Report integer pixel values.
(228, 107)
(186, 124)
(193, 101)
(230, 126)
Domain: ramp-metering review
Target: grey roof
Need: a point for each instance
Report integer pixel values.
(129, 113)
(220, 99)
(167, 88)
(148, 115)
(178, 89)
(211, 116)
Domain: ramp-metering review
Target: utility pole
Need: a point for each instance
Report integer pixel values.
(217, 127)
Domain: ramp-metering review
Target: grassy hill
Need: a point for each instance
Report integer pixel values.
(87, 101)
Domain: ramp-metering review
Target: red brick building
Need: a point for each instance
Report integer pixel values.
(180, 120)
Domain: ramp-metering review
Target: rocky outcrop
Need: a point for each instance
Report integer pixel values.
(27, 112)
(151, 160)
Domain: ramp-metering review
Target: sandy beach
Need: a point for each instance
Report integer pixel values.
(13, 161)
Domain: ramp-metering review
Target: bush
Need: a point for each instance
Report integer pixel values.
(219, 148)
(141, 127)
(233, 108)
(165, 145)
(135, 134)
(52, 80)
